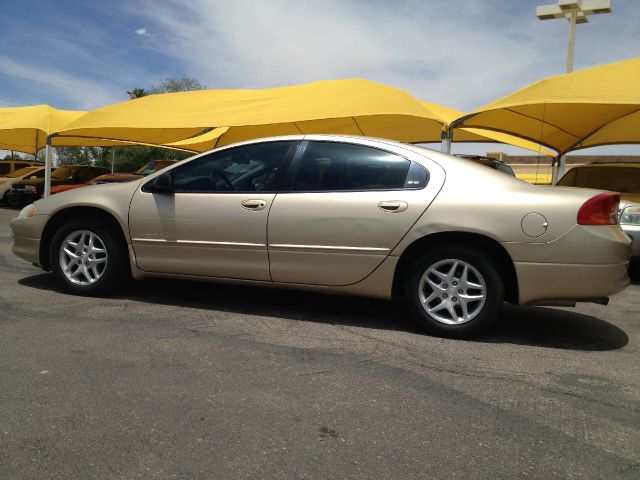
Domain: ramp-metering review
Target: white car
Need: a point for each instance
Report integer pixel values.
(22, 174)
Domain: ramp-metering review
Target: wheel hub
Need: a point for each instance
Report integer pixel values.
(452, 291)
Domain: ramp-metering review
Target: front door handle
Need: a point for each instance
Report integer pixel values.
(395, 206)
(253, 204)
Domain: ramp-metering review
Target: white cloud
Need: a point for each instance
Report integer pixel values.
(142, 32)
(457, 53)
(86, 94)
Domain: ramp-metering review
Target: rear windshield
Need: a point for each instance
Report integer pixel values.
(22, 171)
(62, 173)
(624, 180)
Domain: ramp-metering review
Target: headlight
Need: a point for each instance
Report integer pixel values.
(28, 211)
(630, 215)
(30, 189)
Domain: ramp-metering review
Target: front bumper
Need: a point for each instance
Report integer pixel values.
(633, 232)
(27, 233)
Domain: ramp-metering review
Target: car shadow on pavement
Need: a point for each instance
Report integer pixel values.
(533, 326)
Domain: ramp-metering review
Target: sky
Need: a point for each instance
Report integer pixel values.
(459, 53)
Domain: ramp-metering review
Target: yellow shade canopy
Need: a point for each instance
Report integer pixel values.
(25, 129)
(349, 106)
(588, 108)
(394, 127)
(449, 115)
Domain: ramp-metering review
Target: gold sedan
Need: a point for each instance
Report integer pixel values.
(337, 214)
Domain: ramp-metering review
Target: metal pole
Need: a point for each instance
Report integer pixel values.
(445, 145)
(572, 40)
(562, 166)
(48, 160)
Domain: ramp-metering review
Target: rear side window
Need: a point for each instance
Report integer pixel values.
(5, 168)
(327, 166)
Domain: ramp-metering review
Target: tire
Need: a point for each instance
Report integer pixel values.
(97, 250)
(437, 295)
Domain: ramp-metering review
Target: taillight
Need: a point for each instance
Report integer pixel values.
(600, 210)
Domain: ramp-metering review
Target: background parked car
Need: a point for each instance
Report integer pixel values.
(149, 168)
(27, 191)
(490, 162)
(617, 177)
(10, 166)
(17, 176)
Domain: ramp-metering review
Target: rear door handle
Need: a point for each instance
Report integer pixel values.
(394, 206)
(254, 204)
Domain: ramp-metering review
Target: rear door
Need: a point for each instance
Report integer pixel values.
(347, 207)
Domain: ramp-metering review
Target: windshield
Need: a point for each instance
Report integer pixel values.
(62, 173)
(617, 179)
(154, 166)
(21, 172)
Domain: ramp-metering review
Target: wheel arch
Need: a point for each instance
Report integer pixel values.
(484, 244)
(62, 216)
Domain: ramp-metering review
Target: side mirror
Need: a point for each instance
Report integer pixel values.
(163, 183)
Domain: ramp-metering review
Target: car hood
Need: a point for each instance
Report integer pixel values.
(117, 177)
(627, 199)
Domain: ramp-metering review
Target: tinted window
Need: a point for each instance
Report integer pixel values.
(4, 168)
(569, 179)
(21, 165)
(251, 168)
(21, 172)
(62, 173)
(618, 179)
(326, 166)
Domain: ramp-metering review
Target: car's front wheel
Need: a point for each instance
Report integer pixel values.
(454, 292)
(87, 258)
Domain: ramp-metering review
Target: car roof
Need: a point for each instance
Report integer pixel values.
(609, 164)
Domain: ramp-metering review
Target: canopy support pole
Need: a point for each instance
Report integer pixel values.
(572, 40)
(558, 167)
(562, 166)
(48, 160)
(445, 146)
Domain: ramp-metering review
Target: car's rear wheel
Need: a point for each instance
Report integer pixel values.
(87, 258)
(454, 292)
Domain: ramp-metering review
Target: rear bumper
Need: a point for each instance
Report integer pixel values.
(544, 282)
(21, 199)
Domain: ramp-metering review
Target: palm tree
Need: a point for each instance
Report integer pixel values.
(136, 93)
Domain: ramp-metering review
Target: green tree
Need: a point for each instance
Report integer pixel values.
(137, 93)
(180, 83)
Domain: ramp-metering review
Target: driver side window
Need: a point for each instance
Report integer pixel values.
(250, 168)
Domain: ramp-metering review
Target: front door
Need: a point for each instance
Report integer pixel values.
(215, 223)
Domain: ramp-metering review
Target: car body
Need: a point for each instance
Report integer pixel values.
(24, 192)
(17, 176)
(617, 177)
(10, 166)
(490, 162)
(338, 214)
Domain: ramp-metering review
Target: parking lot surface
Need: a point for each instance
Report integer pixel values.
(187, 380)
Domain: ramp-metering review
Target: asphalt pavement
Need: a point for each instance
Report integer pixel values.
(183, 380)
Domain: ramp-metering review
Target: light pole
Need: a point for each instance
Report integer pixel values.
(576, 12)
